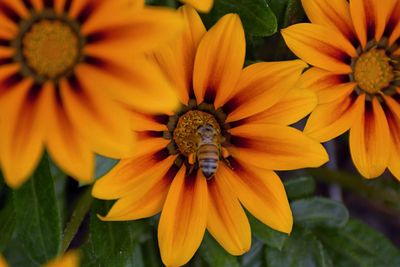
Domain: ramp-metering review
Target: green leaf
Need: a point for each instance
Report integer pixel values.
(267, 235)
(358, 245)
(319, 212)
(215, 255)
(301, 249)
(7, 223)
(114, 243)
(300, 187)
(257, 17)
(38, 217)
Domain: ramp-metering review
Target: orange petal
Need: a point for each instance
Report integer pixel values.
(330, 120)
(183, 219)
(334, 14)
(291, 108)
(133, 176)
(370, 141)
(370, 16)
(145, 201)
(146, 122)
(261, 85)
(201, 5)
(262, 193)
(395, 20)
(328, 86)
(3, 262)
(24, 122)
(177, 58)
(66, 147)
(124, 82)
(276, 147)
(226, 220)
(94, 116)
(394, 127)
(320, 46)
(132, 31)
(216, 71)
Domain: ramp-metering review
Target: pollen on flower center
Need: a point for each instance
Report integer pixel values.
(50, 48)
(185, 131)
(373, 71)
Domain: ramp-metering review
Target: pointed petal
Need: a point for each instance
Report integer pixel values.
(370, 16)
(201, 5)
(334, 14)
(320, 46)
(94, 117)
(262, 193)
(327, 85)
(226, 220)
(394, 127)
(370, 141)
(24, 122)
(294, 106)
(261, 85)
(216, 71)
(132, 176)
(176, 59)
(144, 201)
(65, 146)
(276, 147)
(330, 120)
(183, 219)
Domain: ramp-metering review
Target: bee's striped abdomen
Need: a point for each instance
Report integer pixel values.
(208, 158)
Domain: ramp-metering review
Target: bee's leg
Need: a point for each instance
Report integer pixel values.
(225, 155)
(192, 158)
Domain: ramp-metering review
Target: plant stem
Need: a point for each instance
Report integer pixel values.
(77, 217)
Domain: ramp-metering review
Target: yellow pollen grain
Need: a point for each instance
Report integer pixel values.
(50, 48)
(373, 71)
(185, 131)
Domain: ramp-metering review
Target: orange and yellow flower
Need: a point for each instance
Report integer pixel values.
(355, 48)
(68, 68)
(249, 109)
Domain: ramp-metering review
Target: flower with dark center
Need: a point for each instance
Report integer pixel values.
(68, 69)
(355, 50)
(199, 164)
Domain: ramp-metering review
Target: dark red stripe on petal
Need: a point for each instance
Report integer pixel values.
(210, 95)
(4, 61)
(109, 67)
(190, 180)
(231, 105)
(171, 173)
(84, 14)
(28, 4)
(34, 92)
(67, 5)
(146, 134)
(163, 119)
(48, 3)
(242, 142)
(11, 81)
(161, 154)
(9, 12)
(5, 42)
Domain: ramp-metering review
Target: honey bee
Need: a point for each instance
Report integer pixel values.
(209, 150)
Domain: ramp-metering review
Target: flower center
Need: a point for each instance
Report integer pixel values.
(185, 132)
(50, 48)
(373, 71)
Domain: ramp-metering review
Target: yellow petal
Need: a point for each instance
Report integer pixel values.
(98, 119)
(183, 219)
(275, 147)
(294, 106)
(144, 201)
(320, 46)
(132, 176)
(262, 193)
(370, 16)
(201, 5)
(24, 122)
(261, 85)
(216, 70)
(370, 141)
(176, 59)
(69, 259)
(330, 120)
(226, 220)
(334, 14)
(66, 147)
